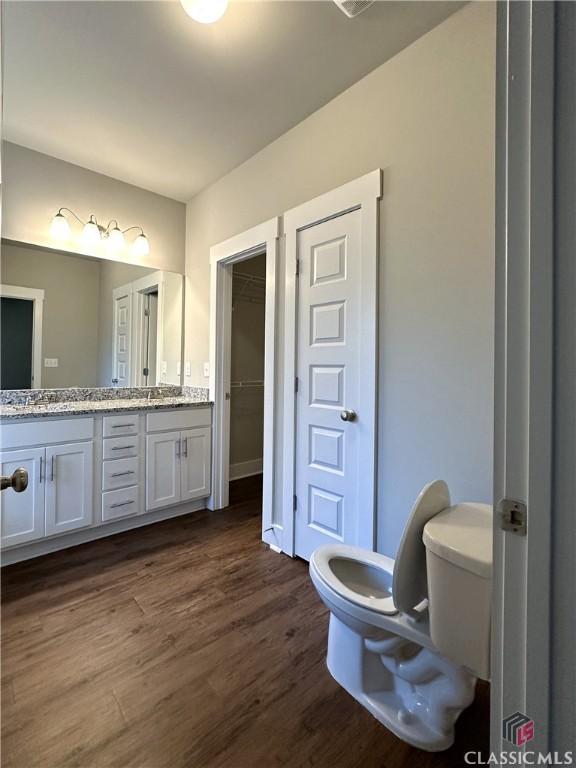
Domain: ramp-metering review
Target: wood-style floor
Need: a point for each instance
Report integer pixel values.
(183, 645)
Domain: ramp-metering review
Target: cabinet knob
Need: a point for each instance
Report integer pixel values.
(18, 480)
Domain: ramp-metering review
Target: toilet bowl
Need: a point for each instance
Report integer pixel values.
(382, 621)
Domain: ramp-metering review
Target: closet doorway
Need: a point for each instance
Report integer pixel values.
(243, 366)
(247, 367)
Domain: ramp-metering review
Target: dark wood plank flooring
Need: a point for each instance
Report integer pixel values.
(183, 645)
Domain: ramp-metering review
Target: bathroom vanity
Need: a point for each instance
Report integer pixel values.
(100, 461)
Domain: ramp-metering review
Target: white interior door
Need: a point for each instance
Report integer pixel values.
(122, 338)
(329, 371)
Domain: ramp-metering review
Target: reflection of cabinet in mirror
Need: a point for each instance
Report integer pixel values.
(147, 331)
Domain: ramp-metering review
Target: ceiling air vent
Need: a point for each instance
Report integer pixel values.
(353, 7)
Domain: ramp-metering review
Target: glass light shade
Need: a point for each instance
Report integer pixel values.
(205, 11)
(141, 246)
(90, 235)
(115, 240)
(60, 229)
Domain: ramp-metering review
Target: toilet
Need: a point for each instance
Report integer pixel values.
(408, 638)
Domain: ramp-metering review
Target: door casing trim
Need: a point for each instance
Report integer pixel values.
(262, 238)
(36, 296)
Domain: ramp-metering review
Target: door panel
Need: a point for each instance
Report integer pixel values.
(195, 462)
(122, 340)
(22, 514)
(69, 476)
(162, 470)
(328, 368)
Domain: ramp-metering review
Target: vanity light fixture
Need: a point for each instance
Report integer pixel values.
(94, 233)
(205, 11)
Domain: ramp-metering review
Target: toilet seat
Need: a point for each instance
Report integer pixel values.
(370, 571)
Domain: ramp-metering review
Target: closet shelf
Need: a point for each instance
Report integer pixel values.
(242, 384)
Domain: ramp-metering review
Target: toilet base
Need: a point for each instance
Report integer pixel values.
(415, 692)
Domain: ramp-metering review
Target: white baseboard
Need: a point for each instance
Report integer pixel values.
(246, 469)
(64, 541)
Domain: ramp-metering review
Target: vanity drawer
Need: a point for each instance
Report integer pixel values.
(123, 503)
(119, 473)
(184, 418)
(120, 447)
(121, 424)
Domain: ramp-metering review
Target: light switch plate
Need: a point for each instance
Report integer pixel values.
(51, 362)
(178, 368)
(164, 367)
(206, 369)
(187, 369)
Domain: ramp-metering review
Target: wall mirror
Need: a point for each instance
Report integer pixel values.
(76, 321)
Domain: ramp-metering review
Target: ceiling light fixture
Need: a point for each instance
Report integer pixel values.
(93, 234)
(205, 11)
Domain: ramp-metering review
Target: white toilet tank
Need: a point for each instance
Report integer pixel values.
(459, 567)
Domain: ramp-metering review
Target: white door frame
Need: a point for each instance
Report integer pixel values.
(260, 239)
(524, 367)
(36, 296)
(361, 194)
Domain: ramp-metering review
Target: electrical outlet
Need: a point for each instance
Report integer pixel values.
(51, 362)
(187, 368)
(206, 369)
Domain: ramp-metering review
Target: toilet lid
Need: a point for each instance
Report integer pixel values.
(321, 562)
(410, 585)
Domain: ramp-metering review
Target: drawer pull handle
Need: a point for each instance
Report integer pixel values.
(121, 474)
(121, 426)
(122, 447)
(121, 504)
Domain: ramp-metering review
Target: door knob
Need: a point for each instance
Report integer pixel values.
(348, 415)
(18, 480)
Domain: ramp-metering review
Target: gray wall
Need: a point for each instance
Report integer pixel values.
(37, 185)
(427, 118)
(71, 309)
(563, 720)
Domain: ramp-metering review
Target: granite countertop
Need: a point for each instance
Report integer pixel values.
(92, 402)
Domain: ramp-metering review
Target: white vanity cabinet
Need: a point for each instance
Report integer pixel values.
(121, 450)
(177, 460)
(89, 476)
(60, 479)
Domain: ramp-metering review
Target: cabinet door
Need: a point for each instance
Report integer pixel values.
(69, 478)
(22, 514)
(162, 470)
(195, 463)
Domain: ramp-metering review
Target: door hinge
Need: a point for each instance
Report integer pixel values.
(297, 267)
(295, 502)
(145, 371)
(146, 313)
(296, 384)
(513, 516)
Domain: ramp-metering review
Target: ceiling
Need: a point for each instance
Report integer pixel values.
(142, 93)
